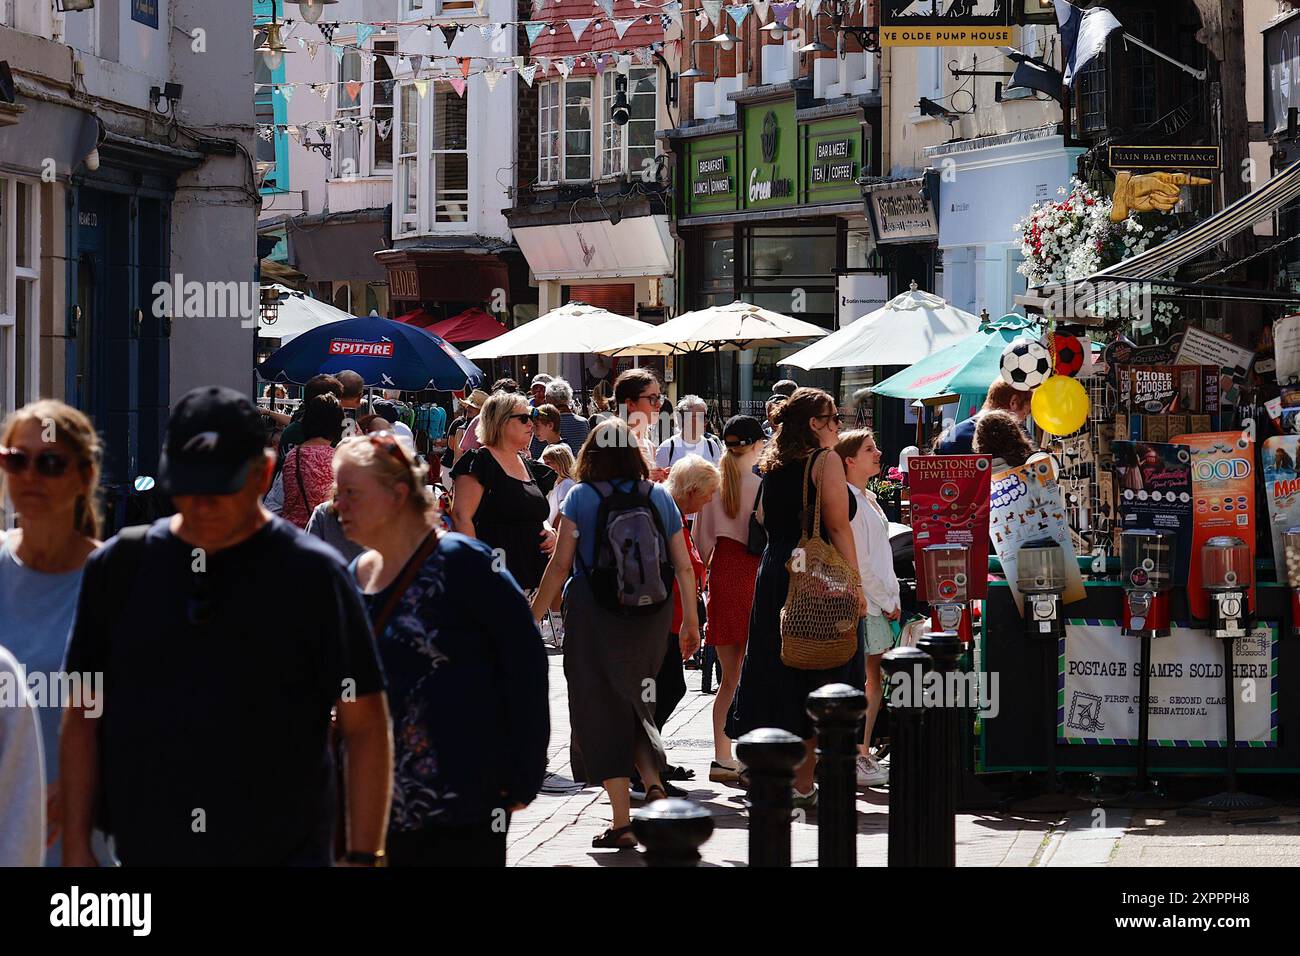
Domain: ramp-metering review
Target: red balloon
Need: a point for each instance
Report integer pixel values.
(1068, 352)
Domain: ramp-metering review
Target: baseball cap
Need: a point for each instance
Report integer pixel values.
(213, 437)
(742, 430)
(541, 378)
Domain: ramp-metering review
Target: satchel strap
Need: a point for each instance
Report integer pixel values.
(412, 568)
(817, 495)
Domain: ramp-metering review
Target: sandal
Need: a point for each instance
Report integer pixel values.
(650, 794)
(615, 838)
(677, 773)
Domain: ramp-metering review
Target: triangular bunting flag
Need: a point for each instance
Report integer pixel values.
(383, 128)
(327, 30)
(338, 53)
(714, 10)
(607, 6)
(488, 30)
(528, 72)
(518, 62)
(301, 43)
(642, 54)
(564, 67)
(287, 92)
(491, 78)
(738, 13)
(449, 31)
(600, 64)
(391, 61)
(312, 47)
(580, 25)
(544, 64)
(464, 65)
(782, 11)
(364, 32)
(417, 61)
(422, 87)
(354, 88)
(533, 29)
(674, 10)
(760, 10)
(386, 88)
(620, 26)
(458, 84)
(322, 90)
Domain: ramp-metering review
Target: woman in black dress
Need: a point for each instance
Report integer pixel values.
(771, 694)
(499, 496)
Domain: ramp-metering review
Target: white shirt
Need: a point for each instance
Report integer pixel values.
(677, 448)
(875, 557)
(556, 498)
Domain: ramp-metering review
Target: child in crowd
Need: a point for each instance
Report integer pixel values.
(876, 565)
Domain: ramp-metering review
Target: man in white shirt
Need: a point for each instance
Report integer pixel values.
(693, 412)
(876, 566)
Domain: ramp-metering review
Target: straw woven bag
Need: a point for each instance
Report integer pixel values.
(819, 622)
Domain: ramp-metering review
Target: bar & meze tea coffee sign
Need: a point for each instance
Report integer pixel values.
(833, 162)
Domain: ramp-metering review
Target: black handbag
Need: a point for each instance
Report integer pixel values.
(757, 542)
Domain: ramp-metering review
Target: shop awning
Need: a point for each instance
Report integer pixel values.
(1204, 236)
(472, 325)
(637, 246)
(340, 247)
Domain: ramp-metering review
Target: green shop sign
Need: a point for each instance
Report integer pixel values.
(771, 155)
(832, 160)
(711, 174)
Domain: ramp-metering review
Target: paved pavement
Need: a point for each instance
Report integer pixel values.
(558, 828)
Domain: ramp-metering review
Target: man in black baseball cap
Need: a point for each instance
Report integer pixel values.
(742, 431)
(221, 695)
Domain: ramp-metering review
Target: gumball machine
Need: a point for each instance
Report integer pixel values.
(1226, 567)
(1147, 561)
(947, 579)
(1040, 578)
(1226, 574)
(1291, 555)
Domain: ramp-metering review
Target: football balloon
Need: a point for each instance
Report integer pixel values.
(1025, 364)
(1069, 354)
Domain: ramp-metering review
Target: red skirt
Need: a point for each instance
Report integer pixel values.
(732, 574)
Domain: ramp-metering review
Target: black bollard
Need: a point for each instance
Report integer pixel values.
(941, 733)
(837, 711)
(672, 832)
(770, 757)
(906, 668)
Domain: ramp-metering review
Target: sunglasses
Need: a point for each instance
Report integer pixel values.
(526, 417)
(48, 464)
(839, 419)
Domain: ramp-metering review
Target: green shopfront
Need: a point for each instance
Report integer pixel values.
(771, 213)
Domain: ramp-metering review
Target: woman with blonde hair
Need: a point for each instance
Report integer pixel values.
(499, 496)
(465, 670)
(559, 458)
(49, 475)
(771, 694)
(722, 534)
(610, 656)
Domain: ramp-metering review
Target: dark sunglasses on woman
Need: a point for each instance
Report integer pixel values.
(48, 464)
(526, 417)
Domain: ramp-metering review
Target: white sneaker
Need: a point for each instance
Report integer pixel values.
(870, 773)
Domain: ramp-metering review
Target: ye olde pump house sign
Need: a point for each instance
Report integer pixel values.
(945, 22)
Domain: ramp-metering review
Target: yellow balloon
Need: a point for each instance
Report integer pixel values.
(1060, 405)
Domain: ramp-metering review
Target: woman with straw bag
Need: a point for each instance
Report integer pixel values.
(807, 600)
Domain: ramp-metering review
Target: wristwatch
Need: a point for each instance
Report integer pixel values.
(378, 858)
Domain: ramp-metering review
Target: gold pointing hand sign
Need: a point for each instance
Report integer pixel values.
(1149, 191)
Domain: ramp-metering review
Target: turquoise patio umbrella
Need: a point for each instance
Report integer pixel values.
(965, 369)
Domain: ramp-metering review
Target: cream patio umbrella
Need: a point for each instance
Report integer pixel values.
(720, 328)
(571, 329)
(905, 330)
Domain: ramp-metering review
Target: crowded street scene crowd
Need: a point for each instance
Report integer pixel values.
(332, 651)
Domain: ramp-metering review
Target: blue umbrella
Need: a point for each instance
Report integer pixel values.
(385, 353)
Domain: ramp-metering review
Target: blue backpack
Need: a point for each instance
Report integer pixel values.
(633, 574)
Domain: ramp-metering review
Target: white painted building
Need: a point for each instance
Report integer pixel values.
(127, 161)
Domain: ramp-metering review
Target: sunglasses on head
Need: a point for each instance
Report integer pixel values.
(48, 464)
(389, 443)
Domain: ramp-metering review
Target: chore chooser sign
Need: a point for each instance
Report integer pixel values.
(1164, 157)
(382, 349)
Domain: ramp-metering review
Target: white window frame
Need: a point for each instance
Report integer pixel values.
(609, 129)
(593, 132)
(340, 112)
(11, 274)
(550, 119)
(929, 79)
(368, 134)
(425, 220)
(406, 163)
(414, 9)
